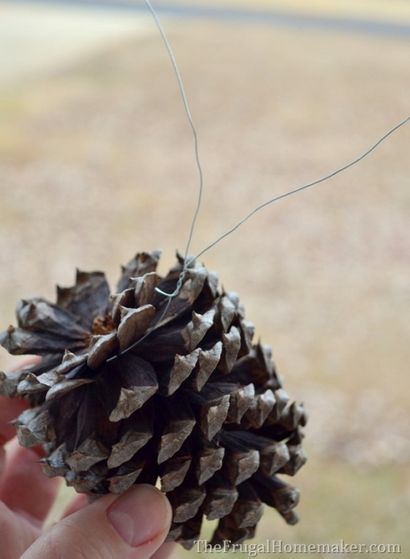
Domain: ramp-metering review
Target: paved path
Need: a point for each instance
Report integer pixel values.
(38, 35)
(260, 15)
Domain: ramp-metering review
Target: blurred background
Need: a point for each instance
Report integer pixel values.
(96, 163)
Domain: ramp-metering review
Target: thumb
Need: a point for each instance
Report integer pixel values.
(132, 526)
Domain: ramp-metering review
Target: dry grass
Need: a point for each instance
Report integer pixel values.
(96, 163)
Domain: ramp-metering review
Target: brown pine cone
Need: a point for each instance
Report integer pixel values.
(124, 395)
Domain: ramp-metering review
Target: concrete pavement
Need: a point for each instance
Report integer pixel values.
(360, 17)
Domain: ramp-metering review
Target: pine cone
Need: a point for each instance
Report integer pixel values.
(124, 394)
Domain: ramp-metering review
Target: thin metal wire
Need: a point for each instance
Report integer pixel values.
(179, 284)
(303, 187)
(196, 147)
(188, 261)
(286, 194)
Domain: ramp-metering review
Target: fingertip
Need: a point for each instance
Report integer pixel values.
(141, 516)
(131, 526)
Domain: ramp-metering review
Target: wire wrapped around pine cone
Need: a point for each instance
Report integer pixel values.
(194, 404)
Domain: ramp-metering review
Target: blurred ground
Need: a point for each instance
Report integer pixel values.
(96, 163)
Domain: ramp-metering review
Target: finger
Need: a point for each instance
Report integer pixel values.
(165, 551)
(24, 488)
(9, 410)
(16, 534)
(132, 526)
(80, 501)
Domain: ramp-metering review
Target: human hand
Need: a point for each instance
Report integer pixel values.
(130, 526)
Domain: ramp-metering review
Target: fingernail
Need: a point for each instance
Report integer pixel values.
(140, 515)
